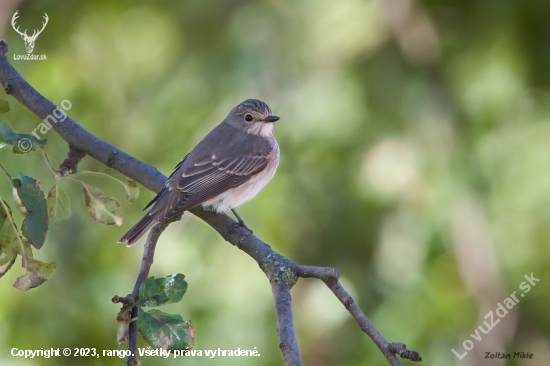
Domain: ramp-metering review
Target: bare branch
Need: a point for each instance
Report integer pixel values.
(401, 350)
(281, 272)
(285, 323)
(330, 277)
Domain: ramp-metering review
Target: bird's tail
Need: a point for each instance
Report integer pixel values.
(139, 229)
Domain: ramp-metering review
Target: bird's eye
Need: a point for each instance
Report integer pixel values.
(248, 118)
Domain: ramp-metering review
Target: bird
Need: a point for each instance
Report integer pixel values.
(227, 168)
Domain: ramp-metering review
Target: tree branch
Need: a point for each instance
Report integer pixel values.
(330, 277)
(285, 323)
(281, 272)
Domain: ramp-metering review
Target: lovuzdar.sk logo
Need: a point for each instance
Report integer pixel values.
(29, 40)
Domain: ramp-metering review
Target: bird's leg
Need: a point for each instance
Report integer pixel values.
(241, 222)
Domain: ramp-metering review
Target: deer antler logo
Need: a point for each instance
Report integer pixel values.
(29, 40)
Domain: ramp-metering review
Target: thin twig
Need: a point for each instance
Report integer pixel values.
(401, 350)
(146, 263)
(43, 151)
(6, 172)
(330, 277)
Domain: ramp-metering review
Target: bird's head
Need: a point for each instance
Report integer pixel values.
(254, 117)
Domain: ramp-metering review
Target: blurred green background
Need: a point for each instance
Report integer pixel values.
(415, 158)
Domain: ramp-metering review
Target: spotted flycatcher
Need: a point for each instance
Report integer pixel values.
(227, 168)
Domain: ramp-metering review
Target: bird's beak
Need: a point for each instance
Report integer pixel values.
(271, 119)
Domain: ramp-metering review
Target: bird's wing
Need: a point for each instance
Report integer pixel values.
(200, 178)
(166, 183)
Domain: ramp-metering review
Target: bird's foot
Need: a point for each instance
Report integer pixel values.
(240, 221)
(241, 224)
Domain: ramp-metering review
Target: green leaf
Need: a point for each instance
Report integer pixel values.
(9, 245)
(59, 204)
(167, 290)
(4, 106)
(37, 273)
(29, 199)
(131, 187)
(165, 331)
(22, 143)
(104, 210)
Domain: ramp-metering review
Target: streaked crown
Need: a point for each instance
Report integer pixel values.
(254, 106)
